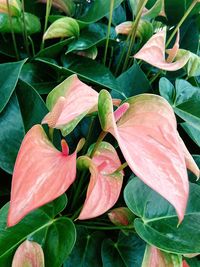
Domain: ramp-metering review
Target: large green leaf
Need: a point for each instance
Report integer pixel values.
(132, 82)
(158, 222)
(174, 10)
(185, 100)
(98, 9)
(127, 251)
(32, 106)
(8, 80)
(11, 134)
(39, 222)
(87, 250)
(87, 69)
(94, 34)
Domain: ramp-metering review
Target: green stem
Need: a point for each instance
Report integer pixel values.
(123, 166)
(108, 32)
(128, 227)
(48, 10)
(155, 77)
(12, 32)
(181, 21)
(90, 132)
(32, 45)
(25, 35)
(111, 57)
(134, 31)
(98, 142)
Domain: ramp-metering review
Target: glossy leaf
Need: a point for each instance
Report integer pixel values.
(97, 10)
(88, 244)
(38, 164)
(158, 221)
(11, 134)
(67, 6)
(153, 52)
(11, 70)
(34, 224)
(105, 184)
(33, 110)
(154, 11)
(63, 27)
(32, 24)
(29, 253)
(68, 103)
(90, 52)
(149, 126)
(14, 7)
(126, 251)
(124, 27)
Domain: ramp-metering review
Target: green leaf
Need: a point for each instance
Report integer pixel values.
(84, 68)
(154, 11)
(126, 251)
(11, 71)
(157, 224)
(32, 24)
(185, 100)
(134, 6)
(87, 250)
(32, 106)
(194, 262)
(132, 82)
(59, 241)
(11, 134)
(54, 50)
(63, 27)
(97, 10)
(94, 34)
(144, 31)
(193, 132)
(38, 221)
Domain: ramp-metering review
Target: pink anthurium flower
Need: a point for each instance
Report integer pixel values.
(124, 27)
(105, 184)
(153, 52)
(28, 254)
(39, 165)
(185, 264)
(150, 143)
(154, 257)
(68, 103)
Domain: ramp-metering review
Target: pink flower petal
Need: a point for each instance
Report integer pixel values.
(105, 186)
(150, 143)
(185, 264)
(70, 101)
(41, 174)
(30, 254)
(124, 27)
(153, 52)
(174, 50)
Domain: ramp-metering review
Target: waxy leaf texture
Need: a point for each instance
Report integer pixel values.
(41, 174)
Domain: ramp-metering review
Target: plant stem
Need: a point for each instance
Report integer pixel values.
(90, 131)
(25, 35)
(134, 31)
(123, 166)
(155, 77)
(108, 32)
(32, 45)
(12, 32)
(98, 142)
(48, 10)
(181, 21)
(128, 227)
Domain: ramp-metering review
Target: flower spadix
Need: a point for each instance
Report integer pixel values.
(151, 145)
(105, 184)
(41, 174)
(153, 52)
(68, 103)
(28, 254)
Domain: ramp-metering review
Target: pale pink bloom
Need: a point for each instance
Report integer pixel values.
(153, 52)
(28, 254)
(104, 186)
(124, 27)
(41, 174)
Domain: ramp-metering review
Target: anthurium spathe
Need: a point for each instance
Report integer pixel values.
(41, 174)
(68, 103)
(28, 254)
(153, 52)
(14, 7)
(105, 184)
(121, 216)
(150, 143)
